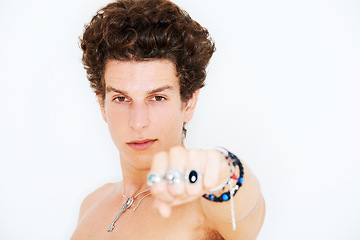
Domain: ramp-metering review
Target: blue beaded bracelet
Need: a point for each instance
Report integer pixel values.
(239, 180)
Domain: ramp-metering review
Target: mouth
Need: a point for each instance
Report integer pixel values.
(141, 144)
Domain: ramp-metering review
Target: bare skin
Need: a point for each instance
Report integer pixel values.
(144, 113)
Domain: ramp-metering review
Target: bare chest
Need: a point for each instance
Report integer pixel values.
(185, 222)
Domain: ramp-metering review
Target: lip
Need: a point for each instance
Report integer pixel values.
(141, 144)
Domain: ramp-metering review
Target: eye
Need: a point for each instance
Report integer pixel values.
(121, 99)
(158, 98)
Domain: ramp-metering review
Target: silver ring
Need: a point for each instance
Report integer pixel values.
(153, 177)
(173, 176)
(193, 176)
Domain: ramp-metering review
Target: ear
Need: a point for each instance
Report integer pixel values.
(102, 107)
(190, 106)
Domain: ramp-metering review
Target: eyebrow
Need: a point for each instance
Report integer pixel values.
(156, 90)
(161, 89)
(112, 89)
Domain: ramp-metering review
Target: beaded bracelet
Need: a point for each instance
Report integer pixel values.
(234, 161)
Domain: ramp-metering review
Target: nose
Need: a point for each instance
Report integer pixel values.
(139, 116)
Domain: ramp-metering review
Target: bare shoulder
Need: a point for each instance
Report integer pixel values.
(95, 197)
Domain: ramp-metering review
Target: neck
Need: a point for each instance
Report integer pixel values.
(134, 180)
(131, 190)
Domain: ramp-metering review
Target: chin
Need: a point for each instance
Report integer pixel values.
(138, 159)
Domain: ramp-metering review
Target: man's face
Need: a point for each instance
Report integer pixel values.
(143, 108)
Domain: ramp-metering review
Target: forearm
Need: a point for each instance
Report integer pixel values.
(247, 201)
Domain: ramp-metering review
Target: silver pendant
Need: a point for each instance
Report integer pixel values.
(123, 208)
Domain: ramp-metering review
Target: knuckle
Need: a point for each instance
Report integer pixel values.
(176, 150)
(160, 155)
(213, 155)
(194, 154)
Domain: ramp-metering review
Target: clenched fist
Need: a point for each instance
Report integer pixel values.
(181, 176)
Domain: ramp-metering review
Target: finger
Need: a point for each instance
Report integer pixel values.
(178, 158)
(212, 168)
(195, 166)
(159, 165)
(163, 208)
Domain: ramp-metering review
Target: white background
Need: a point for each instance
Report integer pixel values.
(282, 92)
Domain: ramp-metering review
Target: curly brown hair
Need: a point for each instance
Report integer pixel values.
(141, 30)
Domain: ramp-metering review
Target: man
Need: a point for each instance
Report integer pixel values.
(146, 61)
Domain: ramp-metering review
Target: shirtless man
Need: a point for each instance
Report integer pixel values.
(146, 61)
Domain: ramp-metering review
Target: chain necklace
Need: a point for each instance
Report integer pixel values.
(127, 204)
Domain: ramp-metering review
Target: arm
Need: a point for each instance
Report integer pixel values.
(248, 202)
(249, 207)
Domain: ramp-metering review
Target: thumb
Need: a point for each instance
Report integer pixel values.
(163, 208)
